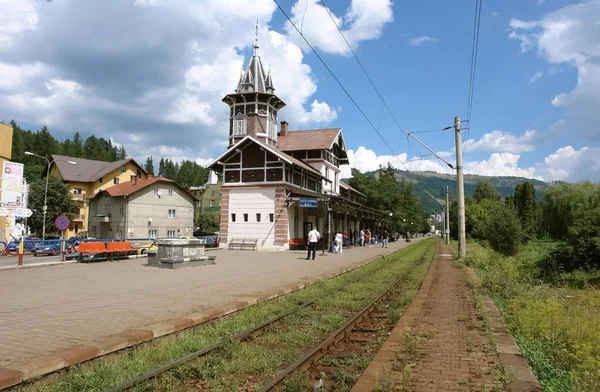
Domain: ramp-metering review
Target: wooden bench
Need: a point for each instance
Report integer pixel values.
(243, 243)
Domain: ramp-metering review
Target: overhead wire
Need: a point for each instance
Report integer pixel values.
(339, 83)
(408, 134)
(474, 50)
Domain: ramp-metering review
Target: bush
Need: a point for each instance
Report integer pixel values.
(502, 230)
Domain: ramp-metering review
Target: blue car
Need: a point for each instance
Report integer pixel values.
(13, 246)
(50, 248)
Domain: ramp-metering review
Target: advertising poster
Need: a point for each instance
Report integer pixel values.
(12, 184)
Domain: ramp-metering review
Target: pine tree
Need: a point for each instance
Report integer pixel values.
(122, 153)
(77, 145)
(161, 167)
(149, 166)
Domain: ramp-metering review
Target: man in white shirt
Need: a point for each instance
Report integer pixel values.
(313, 238)
(339, 242)
(362, 237)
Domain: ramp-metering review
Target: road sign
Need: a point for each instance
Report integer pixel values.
(309, 202)
(24, 212)
(62, 222)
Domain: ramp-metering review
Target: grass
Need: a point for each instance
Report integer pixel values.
(337, 299)
(555, 323)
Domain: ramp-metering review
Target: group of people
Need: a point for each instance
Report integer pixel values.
(365, 238)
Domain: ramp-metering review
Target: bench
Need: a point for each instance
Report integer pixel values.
(120, 248)
(243, 243)
(110, 249)
(297, 243)
(91, 248)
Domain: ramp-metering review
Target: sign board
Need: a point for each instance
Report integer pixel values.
(309, 202)
(62, 222)
(12, 184)
(24, 212)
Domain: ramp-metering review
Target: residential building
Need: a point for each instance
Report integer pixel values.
(208, 195)
(6, 137)
(86, 177)
(154, 207)
(277, 186)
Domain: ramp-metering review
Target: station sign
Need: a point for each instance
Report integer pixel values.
(308, 202)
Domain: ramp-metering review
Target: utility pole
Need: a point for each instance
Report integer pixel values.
(462, 237)
(447, 220)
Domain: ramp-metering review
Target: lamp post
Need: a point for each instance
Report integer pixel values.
(45, 208)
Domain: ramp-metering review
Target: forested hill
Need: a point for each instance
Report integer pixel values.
(434, 183)
(41, 142)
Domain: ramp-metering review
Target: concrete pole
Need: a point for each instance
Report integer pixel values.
(462, 237)
(447, 220)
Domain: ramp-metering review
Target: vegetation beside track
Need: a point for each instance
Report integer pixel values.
(555, 321)
(279, 345)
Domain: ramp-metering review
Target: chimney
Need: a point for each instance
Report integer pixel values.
(283, 130)
(134, 179)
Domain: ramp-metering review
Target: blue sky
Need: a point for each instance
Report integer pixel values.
(150, 74)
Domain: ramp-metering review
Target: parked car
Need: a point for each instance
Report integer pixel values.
(13, 246)
(50, 248)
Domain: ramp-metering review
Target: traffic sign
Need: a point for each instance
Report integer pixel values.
(62, 222)
(24, 212)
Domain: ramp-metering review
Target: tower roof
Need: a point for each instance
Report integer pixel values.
(255, 79)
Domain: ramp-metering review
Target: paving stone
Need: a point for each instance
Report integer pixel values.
(9, 377)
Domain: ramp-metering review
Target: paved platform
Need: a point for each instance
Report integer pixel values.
(450, 350)
(51, 308)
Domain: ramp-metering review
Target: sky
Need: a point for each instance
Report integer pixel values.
(150, 75)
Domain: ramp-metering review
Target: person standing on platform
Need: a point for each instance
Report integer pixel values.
(313, 239)
(362, 237)
(339, 242)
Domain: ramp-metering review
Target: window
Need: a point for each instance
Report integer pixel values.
(326, 172)
(123, 169)
(212, 203)
(233, 217)
(212, 192)
(100, 180)
(152, 233)
(119, 233)
(239, 125)
(121, 211)
(172, 213)
(258, 217)
(170, 192)
(272, 129)
(116, 180)
(171, 234)
(271, 218)
(77, 191)
(245, 217)
(107, 209)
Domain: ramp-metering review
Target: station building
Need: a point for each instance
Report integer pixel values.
(279, 183)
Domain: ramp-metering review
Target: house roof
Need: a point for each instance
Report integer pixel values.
(87, 170)
(287, 158)
(130, 187)
(347, 186)
(311, 139)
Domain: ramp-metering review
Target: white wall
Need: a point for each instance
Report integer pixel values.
(253, 201)
(334, 186)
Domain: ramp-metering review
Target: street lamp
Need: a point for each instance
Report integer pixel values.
(45, 208)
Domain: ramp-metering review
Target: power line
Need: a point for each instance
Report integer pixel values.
(474, 50)
(339, 83)
(408, 134)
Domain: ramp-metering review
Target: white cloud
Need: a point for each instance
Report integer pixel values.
(500, 164)
(568, 164)
(536, 76)
(363, 20)
(155, 78)
(418, 41)
(540, 2)
(506, 142)
(569, 35)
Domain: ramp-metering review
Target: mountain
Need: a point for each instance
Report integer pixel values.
(435, 183)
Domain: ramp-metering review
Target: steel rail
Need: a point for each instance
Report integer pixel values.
(240, 336)
(319, 351)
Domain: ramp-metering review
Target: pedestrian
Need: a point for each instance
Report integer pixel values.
(368, 238)
(384, 239)
(339, 242)
(313, 238)
(362, 237)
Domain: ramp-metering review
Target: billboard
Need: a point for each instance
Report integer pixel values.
(12, 185)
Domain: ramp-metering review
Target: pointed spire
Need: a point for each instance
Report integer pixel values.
(256, 39)
(269, 82)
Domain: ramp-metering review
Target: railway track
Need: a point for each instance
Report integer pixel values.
(306, 341)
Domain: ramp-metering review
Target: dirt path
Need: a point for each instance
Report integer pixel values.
(440, 343)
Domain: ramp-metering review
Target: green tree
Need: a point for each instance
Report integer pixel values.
(206, 223)
(149, 166)
(485, 190)
(122, 153)
(525, 207)
(161, 167)
(502, 229)
(59, 202)
(77, 145)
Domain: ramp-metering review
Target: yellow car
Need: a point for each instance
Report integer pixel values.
(144, 245)
(185, 237)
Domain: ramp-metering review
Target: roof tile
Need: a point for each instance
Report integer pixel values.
(312, 139)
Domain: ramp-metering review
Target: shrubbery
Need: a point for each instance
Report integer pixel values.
(502, 230)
